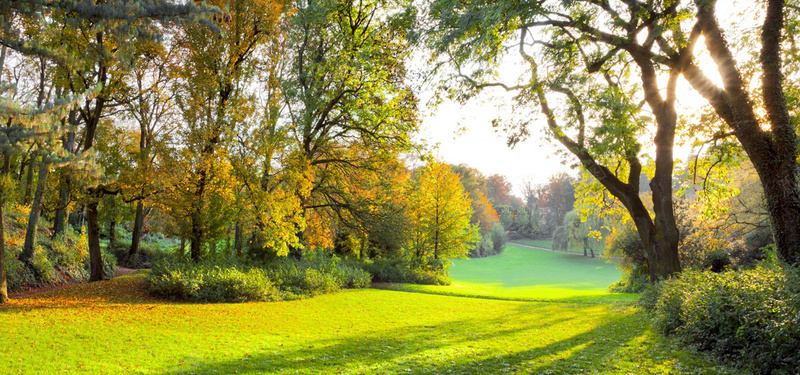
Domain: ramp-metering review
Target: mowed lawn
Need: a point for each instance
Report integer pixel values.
(522, 273)
(115, 327)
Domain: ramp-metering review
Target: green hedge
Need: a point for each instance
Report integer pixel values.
(240, 280)
(400, 271)
(750, 318)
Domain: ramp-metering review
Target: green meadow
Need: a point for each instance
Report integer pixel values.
(115, 327)
(521, 273)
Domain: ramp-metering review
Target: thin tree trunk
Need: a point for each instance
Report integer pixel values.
(29, 178)
(196, 237)
(33, 218)
(136, 236)
(237, 238)
(3, 276)
(95, 257)
(60, 221)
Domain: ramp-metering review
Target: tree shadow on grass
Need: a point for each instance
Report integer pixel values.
(510, 343)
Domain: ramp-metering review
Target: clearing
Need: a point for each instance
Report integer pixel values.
(114, 327)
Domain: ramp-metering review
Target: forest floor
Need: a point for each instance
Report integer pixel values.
(115, 327)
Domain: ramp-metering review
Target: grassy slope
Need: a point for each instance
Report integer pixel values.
(114, 327)
(598, 246)
(527, 274)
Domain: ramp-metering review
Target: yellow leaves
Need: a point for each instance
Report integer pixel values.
(441, 211)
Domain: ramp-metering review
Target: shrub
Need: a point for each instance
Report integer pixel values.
(499, 238)
(239, 280)
(69, 256)
(18, 275)
(750, 317)
(315, 274)
(43, 268)
(400, 271)
(109, 263)
(210, 283)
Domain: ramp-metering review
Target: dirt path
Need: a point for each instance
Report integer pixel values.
(121, 271)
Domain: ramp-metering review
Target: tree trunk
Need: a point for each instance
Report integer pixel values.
(774, 152)
(237, 238)
(196, 237)
(29, 178)
(5, 172)
(783, 203)
(95, 258)
(33, 218)
(136, 236)
(3, 278)
(60, 220)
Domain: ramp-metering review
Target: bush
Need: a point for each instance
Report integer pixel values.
(240, 280)
(499, 238)
(210, 283)
(400, 271)
(750, 318)
(315, 274)
(109, 263)
(70, 256)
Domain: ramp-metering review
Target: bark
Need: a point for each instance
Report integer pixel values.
(33, 218)
(95, 258)
(136, 236)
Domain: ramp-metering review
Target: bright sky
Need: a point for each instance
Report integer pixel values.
(464, 134)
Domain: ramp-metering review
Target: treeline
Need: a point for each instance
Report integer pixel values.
(246, 129)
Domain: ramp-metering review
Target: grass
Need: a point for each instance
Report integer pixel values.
(114, 327)
(521, 273)
(597, 245)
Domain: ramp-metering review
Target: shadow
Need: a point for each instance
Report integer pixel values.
(125, 290)
(601, 299)
(464, 346)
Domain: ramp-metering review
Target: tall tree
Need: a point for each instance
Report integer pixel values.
(442, 211)
(771, 142)
(346, 87)
(591, 50)
(212, 99)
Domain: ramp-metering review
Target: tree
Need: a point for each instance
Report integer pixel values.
(441, 212)
(555, 199)
(483, 214)
(771, 142)
(590, 65)
(345, 89)
(498, 189)
(212, 99)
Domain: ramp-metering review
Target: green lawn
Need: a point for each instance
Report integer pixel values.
(597, 245)
(114, 327)
(522, 273)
